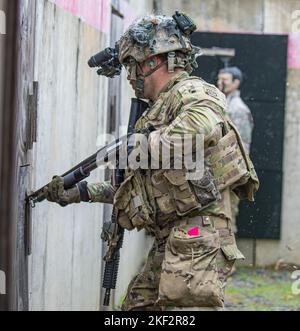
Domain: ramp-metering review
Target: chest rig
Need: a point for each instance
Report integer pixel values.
(154, 197)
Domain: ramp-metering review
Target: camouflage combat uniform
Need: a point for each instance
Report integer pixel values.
(186, 105)
(190, 217)
(242, 118)
(194, 248)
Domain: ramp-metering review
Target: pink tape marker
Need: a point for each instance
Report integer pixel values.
(194, 232)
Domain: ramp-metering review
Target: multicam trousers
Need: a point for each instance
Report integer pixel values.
(145, 292)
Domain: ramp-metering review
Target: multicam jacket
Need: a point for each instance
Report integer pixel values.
(186, 105)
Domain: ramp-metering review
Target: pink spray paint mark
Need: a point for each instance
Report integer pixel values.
(194, 232)
(294, 50)
(95, 13)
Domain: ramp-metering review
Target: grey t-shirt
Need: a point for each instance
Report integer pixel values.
(241, 117)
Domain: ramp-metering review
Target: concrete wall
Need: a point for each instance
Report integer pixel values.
(65, 264)
(261, 16)
(66, 260)
(66, 251)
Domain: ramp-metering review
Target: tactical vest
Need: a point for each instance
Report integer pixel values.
(151, 197)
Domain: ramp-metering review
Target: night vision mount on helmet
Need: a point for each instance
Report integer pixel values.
(107, 61)
(149, 36)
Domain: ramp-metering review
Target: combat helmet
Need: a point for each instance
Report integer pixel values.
(157, 34)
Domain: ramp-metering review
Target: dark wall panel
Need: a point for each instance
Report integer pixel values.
(260, 219)
(263, 60)
(267, 142)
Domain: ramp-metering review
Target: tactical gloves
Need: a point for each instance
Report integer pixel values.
(55, 192)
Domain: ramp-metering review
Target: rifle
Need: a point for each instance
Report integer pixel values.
(112, 232)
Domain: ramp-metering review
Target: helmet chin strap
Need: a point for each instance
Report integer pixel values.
(140, 81)
(139, 88)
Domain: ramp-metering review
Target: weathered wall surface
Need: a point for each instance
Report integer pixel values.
(66, 251)
(65, 265)
(278, 18)
(66, 261)
(261, 16)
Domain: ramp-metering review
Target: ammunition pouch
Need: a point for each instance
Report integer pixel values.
(174, 193)
(181, 195)
(206, 189)
(132, 202)
(167, 194)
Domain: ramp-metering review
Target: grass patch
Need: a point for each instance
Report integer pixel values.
(261, 290)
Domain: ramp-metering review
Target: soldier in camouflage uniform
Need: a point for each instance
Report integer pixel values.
(194, 248)
(229, 81)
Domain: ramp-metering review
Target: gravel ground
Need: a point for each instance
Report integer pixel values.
(255, 289)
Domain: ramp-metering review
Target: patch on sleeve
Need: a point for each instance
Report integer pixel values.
(211, 91)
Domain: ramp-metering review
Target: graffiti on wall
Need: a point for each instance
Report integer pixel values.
(95, 13)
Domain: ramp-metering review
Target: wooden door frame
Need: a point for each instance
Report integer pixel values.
(8, 174)
(16, 139)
